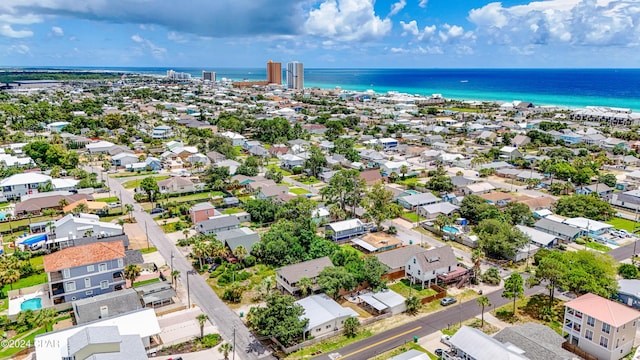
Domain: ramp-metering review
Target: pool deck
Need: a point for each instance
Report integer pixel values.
(38, 291)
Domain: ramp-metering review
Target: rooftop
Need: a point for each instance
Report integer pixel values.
(610, 312)
(83, 255)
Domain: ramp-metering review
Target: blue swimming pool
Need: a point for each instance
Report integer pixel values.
(31, 304)
(450, 229)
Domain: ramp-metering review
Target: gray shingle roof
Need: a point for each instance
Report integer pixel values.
(538, 341)
(117, 302)
(309, 269)
(397, 258)
(436, 258)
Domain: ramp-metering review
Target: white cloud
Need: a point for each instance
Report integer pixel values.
(19, 49)
(8, 31)
(585, 23)
(397, 7)
(174, 36)
(423, 3)
(346, 20)
(155, 50)
(57, 31)
(410, 28)
(397, 50)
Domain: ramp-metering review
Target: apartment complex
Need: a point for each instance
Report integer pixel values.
(274, 72)
(295, 75)
(601, 327)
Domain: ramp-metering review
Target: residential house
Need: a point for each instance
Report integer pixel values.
(250, 144)
(433, 210)
(123, 159)
(35, 203)
(589, 227)
(613, 143)
(425, 267)
(156, 294)
(601, 327)
(202, 211)
(376, 242)
(396, 259)
(289, 161)
(86, 270)
(539, 342)
(236, 139)
(345, 229)
(287, 277)
(20, 184)
(497, 198)
(325, 315)
(412, 202)
(540, 238)
(150, 163)
(320, 215)
(198, 160)
(537, 203)
(388, 143)
(412, 354)
(106, 305)
(510, 153)
(269, 192)
(239, 237)
(161, 132)
(384, 301)
(391, 167)
(432, 139)
(562, 231)
(99, 147)
(178, 185)
(259, 151)
(135, 331)
(371, 177)
(218, 224)
(629, 292)
(471, 343)
(83, 225)
(232, 165)
(477, 188)
(601, 189)
(520, 140)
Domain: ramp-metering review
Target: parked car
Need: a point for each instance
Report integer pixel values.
(213, 267)
(114, 205)
(438, 352)
(448, 301)
(445, 339)
(157, 211)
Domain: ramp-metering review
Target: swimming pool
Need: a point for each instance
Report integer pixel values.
(31, 304)
(450, 229)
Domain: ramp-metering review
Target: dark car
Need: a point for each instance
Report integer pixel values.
(213, 267)
(438, 352)
(157, 211)
(448, 301)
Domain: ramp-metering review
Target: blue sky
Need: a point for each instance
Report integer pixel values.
(321, 33)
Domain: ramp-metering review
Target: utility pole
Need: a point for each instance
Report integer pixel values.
(146, 231)
(234, 343)
(172, 261)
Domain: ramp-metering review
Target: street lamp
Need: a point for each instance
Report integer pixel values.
(171, 260)
(190, 272)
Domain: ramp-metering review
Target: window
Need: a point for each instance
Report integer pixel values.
(318, 330)
(91, 268)
(120, 262)
(70, 286)
(102, 267)
(588, 334)
(414, 260)
(66, 273)
(606, 328)
(591, 321)
(104, 284)
(418, 272)
(409, 267)
(87, 282)
(328, 326)
(90, 292)
(604, 342)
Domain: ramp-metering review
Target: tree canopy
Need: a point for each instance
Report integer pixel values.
(588, 206)
(281, 318)
(499, 238)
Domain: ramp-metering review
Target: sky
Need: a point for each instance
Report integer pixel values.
(321, 33)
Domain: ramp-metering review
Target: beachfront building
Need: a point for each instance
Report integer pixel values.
(295, 75)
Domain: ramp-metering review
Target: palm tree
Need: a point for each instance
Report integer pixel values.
(175, 274)
(185, 232)
(63, 202)
(129, 210)
(199, 250)
(413, 305)
(476, 258)
(305, 284)
(404, 169)
(202, 319)
(483, 301)
(45, 317)
(240, 253)
(225, 349)
(10, 276)
(131, 272)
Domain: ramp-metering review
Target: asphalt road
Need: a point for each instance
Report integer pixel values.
(246, 345)
(390, 339)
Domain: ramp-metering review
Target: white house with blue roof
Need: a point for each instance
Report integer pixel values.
(325, 315)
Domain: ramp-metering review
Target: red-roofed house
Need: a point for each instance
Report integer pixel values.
(83, 271)
(371, 176)
(601, 327)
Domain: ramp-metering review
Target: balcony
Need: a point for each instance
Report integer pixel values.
(56, 276)
(57, 289)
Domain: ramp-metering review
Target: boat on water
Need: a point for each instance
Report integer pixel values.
(464, 81)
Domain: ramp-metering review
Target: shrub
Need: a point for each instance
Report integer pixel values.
(580, 242)
(628, 271)
(234, 294)
(491, 276)
(210, 340)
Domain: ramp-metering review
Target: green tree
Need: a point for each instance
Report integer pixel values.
(202, 320)
(131, 272)
(552, 269)
(305, 285)
(379, 205)
(491, 276)
(316, 161)
(587, 206)
(351, 326)
(498, 238)
(150, 186)
(129, 210)
(518, 214)
(413, 305)
(175, 274)
(440, 183)
(346, 188)
(45, 318)
(628, 271)
(476, 258)
(281, 317)
(474, 209)
(483, 301)
(333, 278)
(513, 289)
(374, 269)
(608, 179)
(225, 349)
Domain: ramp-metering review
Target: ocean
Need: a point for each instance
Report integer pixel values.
(572, 88)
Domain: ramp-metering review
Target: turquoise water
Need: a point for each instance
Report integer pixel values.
(450, 229)
(31, 304)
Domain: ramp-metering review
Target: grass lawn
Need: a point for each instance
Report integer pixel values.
(308, 180)
(173, 227)
(597, 246)
(413, 217)
(329, 345)
(5, 226)
(145, 282)
(464, 110)
(283, 171)
(403, 288)
(474, 323)
(28, 339)
(149, 250)
(131, 174)
(622, 224)
(250, 295)
(529, 310)
(194, 197)
(111, 199)
(299, 191)
(232, 211)
(132, 184)
(409, 181)
(32, 280)
(402, 349)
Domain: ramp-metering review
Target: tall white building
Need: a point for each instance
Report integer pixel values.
(208, 76)
(295, 75)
